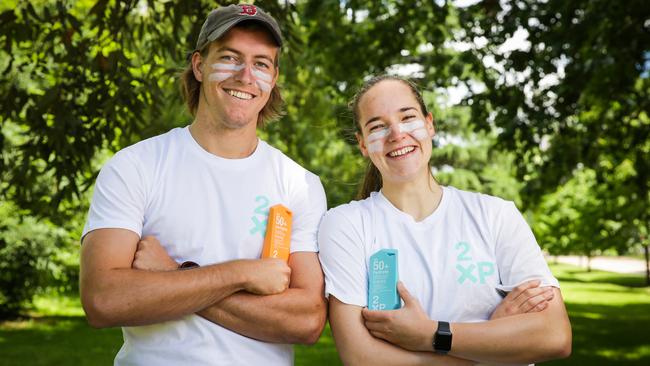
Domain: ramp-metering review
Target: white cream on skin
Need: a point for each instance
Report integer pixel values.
(225, 71)
(376, 140)
(262, 79)
(415, 129)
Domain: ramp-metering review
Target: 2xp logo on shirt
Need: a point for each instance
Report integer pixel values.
(469, 270)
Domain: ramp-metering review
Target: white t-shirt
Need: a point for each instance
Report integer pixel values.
(452, 261)
(208, 210)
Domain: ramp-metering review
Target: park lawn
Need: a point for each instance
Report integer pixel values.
(610, 316)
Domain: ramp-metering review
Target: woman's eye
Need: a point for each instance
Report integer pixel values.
(408, 118)
(376, 128)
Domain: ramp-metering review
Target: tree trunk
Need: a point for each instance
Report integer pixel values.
(647, 264)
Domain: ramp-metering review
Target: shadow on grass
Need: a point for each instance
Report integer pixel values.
(57, 340)
(609, 334)
(69, 340)
(610, 319)
(574, 274)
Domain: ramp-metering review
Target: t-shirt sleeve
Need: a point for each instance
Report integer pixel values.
(308, 206)
(119, 197)
(342, 257)
(518, 255)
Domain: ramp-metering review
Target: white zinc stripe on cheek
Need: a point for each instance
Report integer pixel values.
(219, 76)
(232, 67)
(420, 134)
(263, 85)
(375, 140)
(376, 146)
(262, 75)
(223, 71)
(262, 79)
(415, 129)
(410, 126)
(378, 135)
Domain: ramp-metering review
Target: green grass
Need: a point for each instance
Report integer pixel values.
(610, 316)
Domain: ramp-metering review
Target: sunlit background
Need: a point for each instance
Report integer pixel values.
(545, 103)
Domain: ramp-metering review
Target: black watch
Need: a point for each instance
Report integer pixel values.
(442, 339)
(188, 265)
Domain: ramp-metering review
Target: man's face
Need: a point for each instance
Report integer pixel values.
(237, 77)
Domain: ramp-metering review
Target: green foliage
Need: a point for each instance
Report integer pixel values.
(82, 79)
(78, 78)
(576, 96)
(465, 159)
(333, 47)
(29, 259)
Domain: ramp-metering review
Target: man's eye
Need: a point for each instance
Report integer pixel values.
(262, 65)
(227, 58)
(376, 128)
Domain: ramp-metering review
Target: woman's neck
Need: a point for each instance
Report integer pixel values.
(418, 198)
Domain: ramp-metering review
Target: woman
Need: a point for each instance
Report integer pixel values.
(458, 253)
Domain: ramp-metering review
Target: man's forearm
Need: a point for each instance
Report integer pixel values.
(128, 297)
(294, 316)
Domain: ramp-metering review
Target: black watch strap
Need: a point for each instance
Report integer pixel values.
(442, 338)
(188, 265)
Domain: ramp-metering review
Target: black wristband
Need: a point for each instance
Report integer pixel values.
(442, 338)
(188, 265)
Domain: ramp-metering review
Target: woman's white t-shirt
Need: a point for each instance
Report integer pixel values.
(453, 261)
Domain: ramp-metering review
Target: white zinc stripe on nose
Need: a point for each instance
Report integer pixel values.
(233, 67)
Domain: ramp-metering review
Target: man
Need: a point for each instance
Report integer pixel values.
(202, 193)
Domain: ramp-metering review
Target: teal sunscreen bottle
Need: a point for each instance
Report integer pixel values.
(382, 281)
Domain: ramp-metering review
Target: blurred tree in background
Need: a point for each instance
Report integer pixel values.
(573, 104)
(562, 121)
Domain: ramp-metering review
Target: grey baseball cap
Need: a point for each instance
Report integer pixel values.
(221, 20)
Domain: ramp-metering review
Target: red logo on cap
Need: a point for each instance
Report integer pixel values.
(248, 10)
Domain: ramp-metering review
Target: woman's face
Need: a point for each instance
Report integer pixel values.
(395, 134)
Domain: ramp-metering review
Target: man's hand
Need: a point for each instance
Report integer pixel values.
(267, 276)
(408, 327)
(525, 298)
(264, 276)
(151, 256)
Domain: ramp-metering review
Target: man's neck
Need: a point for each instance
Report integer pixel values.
(224, 142)
(419, 198)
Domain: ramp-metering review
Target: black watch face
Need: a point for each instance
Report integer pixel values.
(443, 341)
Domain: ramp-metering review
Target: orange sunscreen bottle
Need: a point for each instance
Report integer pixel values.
(278, 233)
